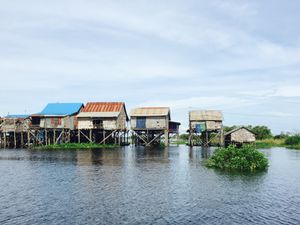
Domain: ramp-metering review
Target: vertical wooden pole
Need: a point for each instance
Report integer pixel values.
(15, 138)
(5, 144)
(22, 140)
(119, 136)
(28, 139)
(91, 135)
(104, 137)
(54, 136)
(166, 138)
(46, 137)
(79, 136)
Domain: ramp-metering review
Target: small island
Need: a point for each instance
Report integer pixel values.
(244, 159)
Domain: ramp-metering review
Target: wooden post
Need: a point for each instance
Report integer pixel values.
(22, 140)
(119, 138)
(46, 137)
(15, 138)
(79, 136)
(90, 135)
(54, 136)
(166, 138)
(28, 139)
(104, 142)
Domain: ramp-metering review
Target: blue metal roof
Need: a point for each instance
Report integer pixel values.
(61, 109)
(15, 116)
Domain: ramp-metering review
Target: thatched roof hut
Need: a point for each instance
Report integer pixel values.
(239, 135)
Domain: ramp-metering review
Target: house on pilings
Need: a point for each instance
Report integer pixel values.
(151, 124)
(13, 130)
(239, 136)
(103, 122)
(204, 126)
(56, 123)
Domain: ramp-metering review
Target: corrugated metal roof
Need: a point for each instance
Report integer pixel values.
(206, 115)
(103, 107)
(61, 109)
(98, 114)
(150, 111)
(16, 116)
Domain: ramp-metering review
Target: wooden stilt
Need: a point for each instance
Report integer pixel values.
(166, 138)
(91, 135)
(28, 139)
(46, 137)
(104, 138)
(79, 135)
(22, 140)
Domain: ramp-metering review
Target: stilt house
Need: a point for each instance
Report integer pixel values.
(203, 123)
(105, 122)
(151, 123)
(59, 116)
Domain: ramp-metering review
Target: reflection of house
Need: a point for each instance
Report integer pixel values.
(59, 116)
(151, 123)
(239, 136)
(103, 122)
(204, 123)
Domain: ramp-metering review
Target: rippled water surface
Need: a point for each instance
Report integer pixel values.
(138, 186)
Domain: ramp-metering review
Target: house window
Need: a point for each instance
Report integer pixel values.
(98, 123)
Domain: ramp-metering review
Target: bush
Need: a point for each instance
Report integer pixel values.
(293, 140)
(247, 158)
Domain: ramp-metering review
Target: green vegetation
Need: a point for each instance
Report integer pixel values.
(246, 158)
(75, 146)
(292, 142)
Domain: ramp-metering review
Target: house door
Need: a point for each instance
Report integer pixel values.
(141, 122)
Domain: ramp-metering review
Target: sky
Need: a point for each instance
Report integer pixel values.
(241, 57)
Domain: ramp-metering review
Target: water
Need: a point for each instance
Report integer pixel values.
(137, 186)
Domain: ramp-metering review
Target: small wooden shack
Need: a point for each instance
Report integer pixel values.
(13, 129)
(204, 123)
(104, 121)
(239, 136)
(59, 116)
(149, 124)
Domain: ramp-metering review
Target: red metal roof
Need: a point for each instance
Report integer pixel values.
(103, 107)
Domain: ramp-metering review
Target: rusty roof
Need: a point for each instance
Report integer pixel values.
(150, 111)
(103, 107)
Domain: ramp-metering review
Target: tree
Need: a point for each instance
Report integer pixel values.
(262, 132)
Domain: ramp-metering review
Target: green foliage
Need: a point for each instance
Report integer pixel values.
(184, 136)
(261, 132)
(293, 140)
(247, 158)
(75, 146)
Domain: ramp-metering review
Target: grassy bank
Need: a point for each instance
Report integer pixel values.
(75, 146)
(290, 142)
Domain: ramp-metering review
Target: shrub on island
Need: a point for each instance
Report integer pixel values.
(246, 158)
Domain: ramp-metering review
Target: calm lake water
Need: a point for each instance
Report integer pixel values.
(137, 186)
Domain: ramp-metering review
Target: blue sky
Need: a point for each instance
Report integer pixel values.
(241, 57)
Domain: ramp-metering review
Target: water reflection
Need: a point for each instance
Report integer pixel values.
(144, 186)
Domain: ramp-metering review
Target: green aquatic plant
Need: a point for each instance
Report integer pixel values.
(246, 158)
